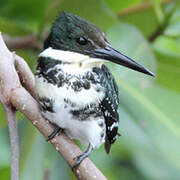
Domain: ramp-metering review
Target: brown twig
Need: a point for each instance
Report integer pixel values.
(162, 27)
(24, 42)
(12, 92)
(6, 84)
(159, 31)
(146, 5)
(25, 75)
(142, 6)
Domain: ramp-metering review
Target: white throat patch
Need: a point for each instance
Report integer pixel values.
(77, 63)
(71, 57)
(64, 56)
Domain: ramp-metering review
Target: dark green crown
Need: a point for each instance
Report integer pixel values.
(72, 33)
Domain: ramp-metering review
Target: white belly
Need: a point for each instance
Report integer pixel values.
(91, 130)
(87, 132)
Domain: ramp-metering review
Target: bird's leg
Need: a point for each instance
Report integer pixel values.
(55, 131)
(81, 157)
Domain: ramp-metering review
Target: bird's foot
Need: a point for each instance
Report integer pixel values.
(53, 134)
(81, 157)
(78, 160)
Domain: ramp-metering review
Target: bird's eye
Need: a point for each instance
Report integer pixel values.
(82, 41)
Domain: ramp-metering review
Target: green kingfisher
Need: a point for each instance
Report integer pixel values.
(76, 91)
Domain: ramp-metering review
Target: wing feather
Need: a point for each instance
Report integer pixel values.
(109, 106)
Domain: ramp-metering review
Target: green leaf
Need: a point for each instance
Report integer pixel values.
(120, 5)
(168, 71)
(34, 167)
(167, 45)
(42, 160)
(152, 120)
(5, 172)
(3, 122)
(30, 57)
(149, 107)
(27, 138)
(26, 12)
(59, 168)
(158, 10)
(99, 8)
(167, 51)
(145, 20)
(128, 40)
(9, 27)
(5, 153)
(137, 147)
(115, 165)
(173, 28)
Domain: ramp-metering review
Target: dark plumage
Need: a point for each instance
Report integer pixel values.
(109, 104)
(68, 28)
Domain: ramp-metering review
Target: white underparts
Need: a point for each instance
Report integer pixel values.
(73, 64)
(88, 131)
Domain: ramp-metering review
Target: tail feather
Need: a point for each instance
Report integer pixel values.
(107, 146)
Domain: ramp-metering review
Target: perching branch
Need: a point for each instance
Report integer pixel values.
(17, 88)
(6, 83)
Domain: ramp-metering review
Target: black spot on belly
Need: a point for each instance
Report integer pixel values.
(86, 84)
(89, 76)
(80, 84)
(46, 104)
(93, 111)
(77, 85)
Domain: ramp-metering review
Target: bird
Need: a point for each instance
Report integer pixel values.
(76, 90)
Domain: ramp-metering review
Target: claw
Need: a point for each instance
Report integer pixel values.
(81, 157)
(78, 160)
(53, 134)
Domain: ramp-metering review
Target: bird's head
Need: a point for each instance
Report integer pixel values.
(76, 39)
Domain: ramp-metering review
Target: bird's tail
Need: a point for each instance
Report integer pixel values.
(107, 146)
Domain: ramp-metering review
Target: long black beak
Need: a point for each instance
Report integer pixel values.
(115, 56)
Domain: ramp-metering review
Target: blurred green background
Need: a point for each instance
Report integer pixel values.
(146, 30)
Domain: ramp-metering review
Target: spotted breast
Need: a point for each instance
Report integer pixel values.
(83, 104)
